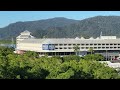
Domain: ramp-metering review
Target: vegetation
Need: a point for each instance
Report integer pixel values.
(6, 42)
(65, 28)
(31, 66)
(90, 50)
(76, 49)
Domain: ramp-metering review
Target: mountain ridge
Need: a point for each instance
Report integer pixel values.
(60, 27)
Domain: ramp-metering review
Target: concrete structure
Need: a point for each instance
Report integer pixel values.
(109, 46)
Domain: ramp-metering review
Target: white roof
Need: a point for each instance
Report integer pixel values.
(108, 37)
(71, 41)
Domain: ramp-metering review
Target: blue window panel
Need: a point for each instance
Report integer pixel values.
(45, 46)
(51, 47)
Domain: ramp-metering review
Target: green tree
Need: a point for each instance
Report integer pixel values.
(90, 50)
(96, 57)
(76, 49)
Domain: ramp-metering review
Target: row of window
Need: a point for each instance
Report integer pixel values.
(82, 44)
(88, 47)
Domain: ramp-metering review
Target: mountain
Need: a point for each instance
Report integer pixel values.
(62, 27)
(38, 28)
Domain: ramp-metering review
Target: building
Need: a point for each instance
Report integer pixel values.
(108, 46)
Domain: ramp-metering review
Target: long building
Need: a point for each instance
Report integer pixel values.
(108, 46)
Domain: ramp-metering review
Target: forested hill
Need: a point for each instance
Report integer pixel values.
(63, 27)
(38, 28)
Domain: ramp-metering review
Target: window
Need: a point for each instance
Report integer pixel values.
(118, 44)
(99, 44)
(65, 44)
(87, 48)
(95, 47)
(107, 47)
(118, 47)
(69, 48)
(95, 44)
(69, 44)
(78, 44)
(56, 44)
(99, 47)
(74, 44)
(82, 44)
(115, 44)
(60, 44)
(60, 48)
(87, 44)
(111, 44)
(103, 47)
(91, 44)
(56, 48)
(111, 47)
(82, 47)
(65, 48)
(107, 44)
(103, 44)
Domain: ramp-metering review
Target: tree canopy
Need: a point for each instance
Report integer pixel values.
(30, 66)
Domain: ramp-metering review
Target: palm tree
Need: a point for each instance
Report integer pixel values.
(90, 50)
(76, 49)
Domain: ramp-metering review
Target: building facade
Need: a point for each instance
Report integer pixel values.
(108, 46)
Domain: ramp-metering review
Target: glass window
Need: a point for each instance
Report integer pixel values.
(65, 44)
(82, 47)
(60, 48)
(69, 48)
(56, 44)
(69, 44)
(65, 48)
(60, 44)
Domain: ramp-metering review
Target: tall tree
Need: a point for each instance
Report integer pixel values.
(76, 49)
(91, 50)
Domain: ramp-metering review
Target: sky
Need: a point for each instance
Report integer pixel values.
(8, 17)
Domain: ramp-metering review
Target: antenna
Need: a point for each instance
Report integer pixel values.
(101, 34)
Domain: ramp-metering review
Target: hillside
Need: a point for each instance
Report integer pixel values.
(38, 28)
(63, 27)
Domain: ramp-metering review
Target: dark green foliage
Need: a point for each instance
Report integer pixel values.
(30, 66)
(96, 57)
(71, 57)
